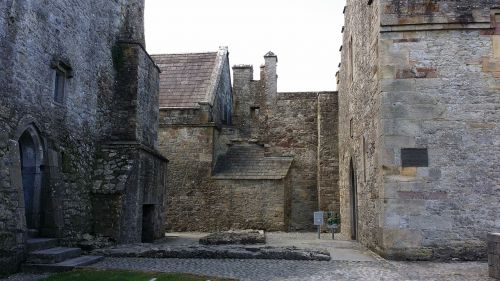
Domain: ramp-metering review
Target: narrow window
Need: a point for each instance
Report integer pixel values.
(62, 73)
(59, 87)
(254, 111)
(364, 159)
(351, 132)
(351, 60)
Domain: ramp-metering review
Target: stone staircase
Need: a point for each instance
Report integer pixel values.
(247, 160)
(44, 255)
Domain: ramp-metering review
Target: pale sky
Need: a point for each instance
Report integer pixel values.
(304, 34)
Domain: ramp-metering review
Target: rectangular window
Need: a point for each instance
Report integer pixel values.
(59, 86)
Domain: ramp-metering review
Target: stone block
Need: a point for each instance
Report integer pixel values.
(409, 171)
(496, 46)
(397, 85)
(493, 237)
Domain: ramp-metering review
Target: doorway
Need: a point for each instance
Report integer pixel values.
(148, 232)
(31, 160)
(354, 201)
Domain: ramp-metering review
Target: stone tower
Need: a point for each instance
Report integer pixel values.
(418, 109)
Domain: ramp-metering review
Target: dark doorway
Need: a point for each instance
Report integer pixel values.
(354, 202)
(148, 233)
(30, 156)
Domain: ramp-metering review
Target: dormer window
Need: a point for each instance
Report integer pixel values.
(62, 73)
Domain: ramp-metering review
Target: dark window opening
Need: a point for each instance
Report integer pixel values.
(59, 87)
(351, 131)
(254, 111)
(364, 159)
(62, 73)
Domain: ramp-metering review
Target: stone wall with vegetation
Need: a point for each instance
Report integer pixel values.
(35, 38)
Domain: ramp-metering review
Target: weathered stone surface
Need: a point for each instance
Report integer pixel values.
(110, 92)
(90, 242)
(215, 252)
(267, 171)
(420, 74)
(243, 237)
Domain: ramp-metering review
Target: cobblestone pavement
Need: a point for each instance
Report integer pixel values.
(256, 270)
(350, 261)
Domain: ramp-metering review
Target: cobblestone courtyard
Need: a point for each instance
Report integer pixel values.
(350, 261)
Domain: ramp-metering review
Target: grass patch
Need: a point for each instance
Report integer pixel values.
(125, 275)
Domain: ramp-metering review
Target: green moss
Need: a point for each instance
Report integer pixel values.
(123, 275)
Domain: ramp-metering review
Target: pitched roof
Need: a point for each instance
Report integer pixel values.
(249, 162)
(189, 79)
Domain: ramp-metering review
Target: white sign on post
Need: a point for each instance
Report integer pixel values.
(318, 218)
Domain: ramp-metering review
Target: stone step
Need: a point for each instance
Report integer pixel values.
(36, 244)
(33, 233)
(61, 266)
(53, 255)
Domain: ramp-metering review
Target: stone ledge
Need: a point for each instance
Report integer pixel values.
(495, 237)
(214, 252)
(243, 237)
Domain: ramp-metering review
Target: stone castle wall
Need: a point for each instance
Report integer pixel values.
(292, 130)
(328, 161)
(292, 124)
(190, 151)
(436, 70)
(359, 107)
(35, 37)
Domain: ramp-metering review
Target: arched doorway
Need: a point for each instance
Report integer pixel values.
(31, 156)
(354, 201)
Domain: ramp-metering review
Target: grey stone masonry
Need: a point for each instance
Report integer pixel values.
(74, 77)
(418, 127)
(494, 255)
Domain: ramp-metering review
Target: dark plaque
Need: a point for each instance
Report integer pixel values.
(414, 157)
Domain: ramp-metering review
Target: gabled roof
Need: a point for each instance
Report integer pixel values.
(186, 80)
(249, 162)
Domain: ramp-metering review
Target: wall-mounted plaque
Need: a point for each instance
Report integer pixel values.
(414, 157)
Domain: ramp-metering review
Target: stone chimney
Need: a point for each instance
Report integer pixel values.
(133, 22)
(269, 76)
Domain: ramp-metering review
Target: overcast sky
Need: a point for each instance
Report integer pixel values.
(304, 34)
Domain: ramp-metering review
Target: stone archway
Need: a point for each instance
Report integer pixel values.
(31, 160)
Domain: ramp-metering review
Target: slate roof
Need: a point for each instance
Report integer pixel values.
(249, 162)
(188, 79)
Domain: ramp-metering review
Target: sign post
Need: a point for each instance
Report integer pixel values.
(318, 221)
